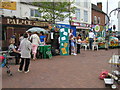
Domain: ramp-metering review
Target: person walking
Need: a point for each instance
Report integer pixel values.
(107, 40)
(25, 48)
(91, 36)
(35, 42)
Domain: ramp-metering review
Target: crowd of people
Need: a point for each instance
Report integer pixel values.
(29, 43)
(76, 42)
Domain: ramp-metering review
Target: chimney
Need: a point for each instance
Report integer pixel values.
(99, 5)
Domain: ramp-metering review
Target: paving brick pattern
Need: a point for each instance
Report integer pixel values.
(81, 71)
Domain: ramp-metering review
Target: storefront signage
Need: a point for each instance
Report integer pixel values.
(97, 28)
(8, 5)
(25, 22)
(83, 25)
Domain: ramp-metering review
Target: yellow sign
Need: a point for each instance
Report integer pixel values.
(8, 5)
(63, 50)
(65, 45)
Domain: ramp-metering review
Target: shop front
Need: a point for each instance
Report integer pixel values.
(17, 26)
(81, 28)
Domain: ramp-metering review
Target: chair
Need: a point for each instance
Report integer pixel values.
(86, 45)
(10, 59)
(95, 45)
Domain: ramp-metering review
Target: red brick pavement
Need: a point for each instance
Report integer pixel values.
(81, 71)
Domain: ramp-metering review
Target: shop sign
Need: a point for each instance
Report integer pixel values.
(8, 5)
(25, 22)
(83, 25)
(75, 24)
(97, 28)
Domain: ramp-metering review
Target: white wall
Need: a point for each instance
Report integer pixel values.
(82, 8)
(22, 10)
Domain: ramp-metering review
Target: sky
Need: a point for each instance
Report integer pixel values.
(112, 4)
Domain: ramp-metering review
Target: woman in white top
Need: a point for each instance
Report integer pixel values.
(35, 42)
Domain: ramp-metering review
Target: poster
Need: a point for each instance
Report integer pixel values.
(64, 41)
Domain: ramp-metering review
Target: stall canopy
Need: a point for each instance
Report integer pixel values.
(37, 29)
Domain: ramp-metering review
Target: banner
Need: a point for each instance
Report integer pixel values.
(8, 5)
(64, 42)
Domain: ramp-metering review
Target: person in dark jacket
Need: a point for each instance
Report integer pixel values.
(107, 40)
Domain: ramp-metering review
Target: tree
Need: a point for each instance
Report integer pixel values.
(55, 11)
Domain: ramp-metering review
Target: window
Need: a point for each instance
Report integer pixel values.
(77, 13)
(3, 35)
(95, 20)
(99, 20)
(85, 16)
(86, 3)
(77, 2)
(35, 13)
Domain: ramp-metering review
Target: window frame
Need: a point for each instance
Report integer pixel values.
(77, 14)
(34, 13)
(85, 16)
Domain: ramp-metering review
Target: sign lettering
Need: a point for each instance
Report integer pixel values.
(25, 22)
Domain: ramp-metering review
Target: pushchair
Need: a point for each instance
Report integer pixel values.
(4, 63)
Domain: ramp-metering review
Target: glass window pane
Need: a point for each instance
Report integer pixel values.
(32, 12)
(85, 16)
(37, 13)
(77, 14)
(86, 3)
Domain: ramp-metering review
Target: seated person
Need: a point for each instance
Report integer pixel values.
(42, 38)
(13, 52)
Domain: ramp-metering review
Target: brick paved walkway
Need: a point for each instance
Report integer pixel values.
(81, 71)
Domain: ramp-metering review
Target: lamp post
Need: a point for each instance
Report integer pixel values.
(119, 16)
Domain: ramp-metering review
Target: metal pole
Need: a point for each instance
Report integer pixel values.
(107, 8)
(119, 16)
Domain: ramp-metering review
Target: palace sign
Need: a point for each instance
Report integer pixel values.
(11, 21)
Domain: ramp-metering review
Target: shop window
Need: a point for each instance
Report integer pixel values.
(35, 13)
(3, 36)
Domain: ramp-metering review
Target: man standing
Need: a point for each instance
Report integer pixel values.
(25, 48)
(91, 38)
(107, 40)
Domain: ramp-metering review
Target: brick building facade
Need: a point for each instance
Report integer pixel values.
(98, 16)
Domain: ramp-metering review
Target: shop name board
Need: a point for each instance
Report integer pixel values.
(80, 24)
(25, 22)
(8, 5)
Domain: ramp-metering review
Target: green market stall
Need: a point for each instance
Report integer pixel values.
(113, 42)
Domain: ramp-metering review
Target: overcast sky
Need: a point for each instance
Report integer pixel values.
(112, 4)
